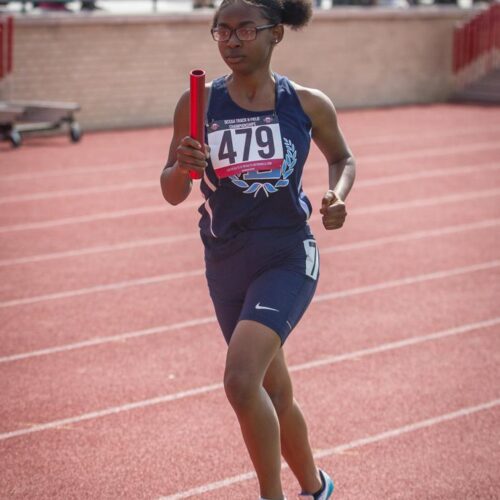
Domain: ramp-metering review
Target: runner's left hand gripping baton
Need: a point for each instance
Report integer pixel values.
(197, 110)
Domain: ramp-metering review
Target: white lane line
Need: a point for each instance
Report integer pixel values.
(150, 164)
(374, 438)
(217, 485)
(211, 319)
(427, 174)
(48, 195)
(81, 171)
(407, 281)
(105, 340)
(102, 288)
(127, 245)
(415, 235)
(437, 151)
(389, 179)
(110, 411)
(422, 424)
(398, 344)
(113, 338)
(84, 218)
(421, 135)
(196, 391)
(447, 230)
(159, 208)
(425, 202)
(164, 208)
(428, 152)
(172, 239)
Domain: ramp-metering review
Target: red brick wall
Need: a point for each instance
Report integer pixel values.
(129, 71)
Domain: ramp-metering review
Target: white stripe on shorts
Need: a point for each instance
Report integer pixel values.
(312, 258)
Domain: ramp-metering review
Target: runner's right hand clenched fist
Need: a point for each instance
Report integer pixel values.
(191, 156)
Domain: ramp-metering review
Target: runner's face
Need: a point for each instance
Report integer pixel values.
(246, 56)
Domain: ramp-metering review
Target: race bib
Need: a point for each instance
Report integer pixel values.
(245, 145)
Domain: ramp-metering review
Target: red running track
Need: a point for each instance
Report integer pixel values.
(111, 361)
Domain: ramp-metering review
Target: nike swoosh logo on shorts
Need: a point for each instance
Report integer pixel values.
(258, 306)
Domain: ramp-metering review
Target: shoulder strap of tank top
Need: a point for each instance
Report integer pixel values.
(215, 86)
(207, 103)
(279, 81)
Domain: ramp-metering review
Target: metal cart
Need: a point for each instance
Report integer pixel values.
(8, 116)
(23, 117)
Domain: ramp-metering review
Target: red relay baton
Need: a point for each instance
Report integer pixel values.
(197, 110)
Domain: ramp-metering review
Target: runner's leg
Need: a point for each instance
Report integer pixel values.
(251, 349)
(295, 445)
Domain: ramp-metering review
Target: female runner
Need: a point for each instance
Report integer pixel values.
(262, 263)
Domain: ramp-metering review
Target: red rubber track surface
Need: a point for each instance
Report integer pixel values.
(111, 360)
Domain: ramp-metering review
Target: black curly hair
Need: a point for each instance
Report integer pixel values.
(293, 13)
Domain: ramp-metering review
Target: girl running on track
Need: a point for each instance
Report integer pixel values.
(262, 263)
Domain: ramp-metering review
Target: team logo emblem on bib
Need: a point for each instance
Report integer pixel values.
(280, 175)
(251, 149)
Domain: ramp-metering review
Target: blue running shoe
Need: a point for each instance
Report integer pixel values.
(327, 490)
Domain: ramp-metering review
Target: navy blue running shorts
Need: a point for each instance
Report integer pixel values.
(270, 278)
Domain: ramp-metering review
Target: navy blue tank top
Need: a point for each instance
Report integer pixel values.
(262, 200)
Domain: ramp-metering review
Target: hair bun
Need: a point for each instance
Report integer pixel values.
(296, 13)
(293, 13)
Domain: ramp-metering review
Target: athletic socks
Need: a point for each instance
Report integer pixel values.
(326, 489)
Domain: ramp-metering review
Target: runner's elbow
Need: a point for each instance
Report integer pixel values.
(173, 192)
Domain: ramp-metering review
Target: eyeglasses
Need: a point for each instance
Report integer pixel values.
(243, 34)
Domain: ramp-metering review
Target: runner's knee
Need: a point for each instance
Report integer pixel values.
(241, 387)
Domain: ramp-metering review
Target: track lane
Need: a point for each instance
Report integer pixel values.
(441, 462)
(445, 448)
(153, 143)
(361, 400)
(95, 458)
(417, 249)
(45, 154)
(488, 203)
(110, 176)
(152, 221)
(39, 278)
(113, 374)
(152, 459)
(138, 305)
(418, 261)
(40, 206)
(87, 173)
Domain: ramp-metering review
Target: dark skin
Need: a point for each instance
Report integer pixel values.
(256, 378)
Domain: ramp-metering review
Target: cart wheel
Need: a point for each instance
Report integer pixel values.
(15, 138)
(75, 132)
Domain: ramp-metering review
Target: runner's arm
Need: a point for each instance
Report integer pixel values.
(328, 137)
(341, 164)
(184, 154)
